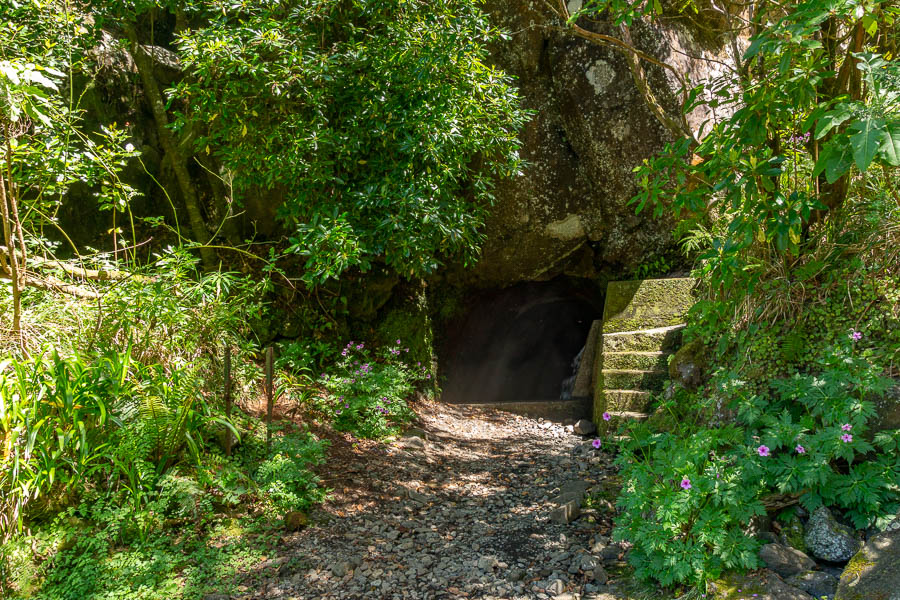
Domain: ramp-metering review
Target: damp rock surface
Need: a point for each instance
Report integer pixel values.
(467, 514)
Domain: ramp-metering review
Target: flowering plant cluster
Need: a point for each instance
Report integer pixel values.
(689, 493)
(366, 392)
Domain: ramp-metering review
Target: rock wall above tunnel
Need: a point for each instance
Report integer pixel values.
(568, 213)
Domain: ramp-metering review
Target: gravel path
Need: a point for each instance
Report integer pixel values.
(462, 509)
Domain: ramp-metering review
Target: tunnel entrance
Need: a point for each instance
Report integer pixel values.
(517, 345)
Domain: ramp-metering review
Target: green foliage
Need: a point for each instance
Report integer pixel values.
(657, 267)
(55, 414)
(687, 535)
(381, 123)
(367, 395)
(85, 563)
(810, 106)
(41, 118)
(806, 435)
(284, 478)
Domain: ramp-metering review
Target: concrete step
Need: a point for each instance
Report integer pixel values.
(620, 417)
(648, 361)
(660, 339)
(626, 400)
(634, 379)
(647, 303)
(558, 411)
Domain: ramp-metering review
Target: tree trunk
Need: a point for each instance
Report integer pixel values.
(5, 195)
(179, 163)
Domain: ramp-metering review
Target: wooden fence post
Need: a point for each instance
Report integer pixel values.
(270, 394)
(228, 398)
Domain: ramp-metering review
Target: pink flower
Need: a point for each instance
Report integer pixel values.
(595, 443)
(856, 336)
(763, 450)
(846, 427)
(685, 484)
(606, 416)
(847, 438)
(800, 449)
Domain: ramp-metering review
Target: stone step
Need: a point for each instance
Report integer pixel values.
(634, 379)
(647, 303)
(626, 400)
(645, 361)
(619, 417)
(661, 339)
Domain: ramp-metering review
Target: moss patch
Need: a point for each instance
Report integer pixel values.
(646, 304)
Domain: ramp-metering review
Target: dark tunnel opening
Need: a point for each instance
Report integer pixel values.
(518, 344)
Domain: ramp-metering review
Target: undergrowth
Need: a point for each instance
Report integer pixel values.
(787, 413)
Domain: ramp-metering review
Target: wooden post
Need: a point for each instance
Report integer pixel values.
(270, 395)
(227, 398)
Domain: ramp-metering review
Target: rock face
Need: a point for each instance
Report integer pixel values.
(829, 540)
(568, 213)
(888, 409)
(874, 573)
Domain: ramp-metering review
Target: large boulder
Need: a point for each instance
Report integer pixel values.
(568, 213)
(874, 572)
(827, 539)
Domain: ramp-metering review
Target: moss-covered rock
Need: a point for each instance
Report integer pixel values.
(407, 319)
(874, 572)
(761, 585)
(688, 366)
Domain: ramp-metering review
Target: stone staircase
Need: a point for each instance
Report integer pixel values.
(642, 325)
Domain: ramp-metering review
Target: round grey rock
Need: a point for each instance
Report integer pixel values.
(826, 539)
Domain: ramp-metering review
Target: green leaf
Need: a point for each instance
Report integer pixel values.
(890, 145)
(865, 141)
(832, 119)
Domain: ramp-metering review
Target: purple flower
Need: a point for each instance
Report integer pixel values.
(763, 450)
(846, 427)
(344, 352)
(606, 416)
(595, 443)
(847, 438)
(398, 341)
(428, 377)
(685, 484)
(800, 449)
(856, 335)
(359, 346)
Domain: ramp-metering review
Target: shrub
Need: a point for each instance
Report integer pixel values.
(690, 494)
(368, 396)
(284, 478)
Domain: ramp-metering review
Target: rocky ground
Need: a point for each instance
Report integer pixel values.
(470, 504)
